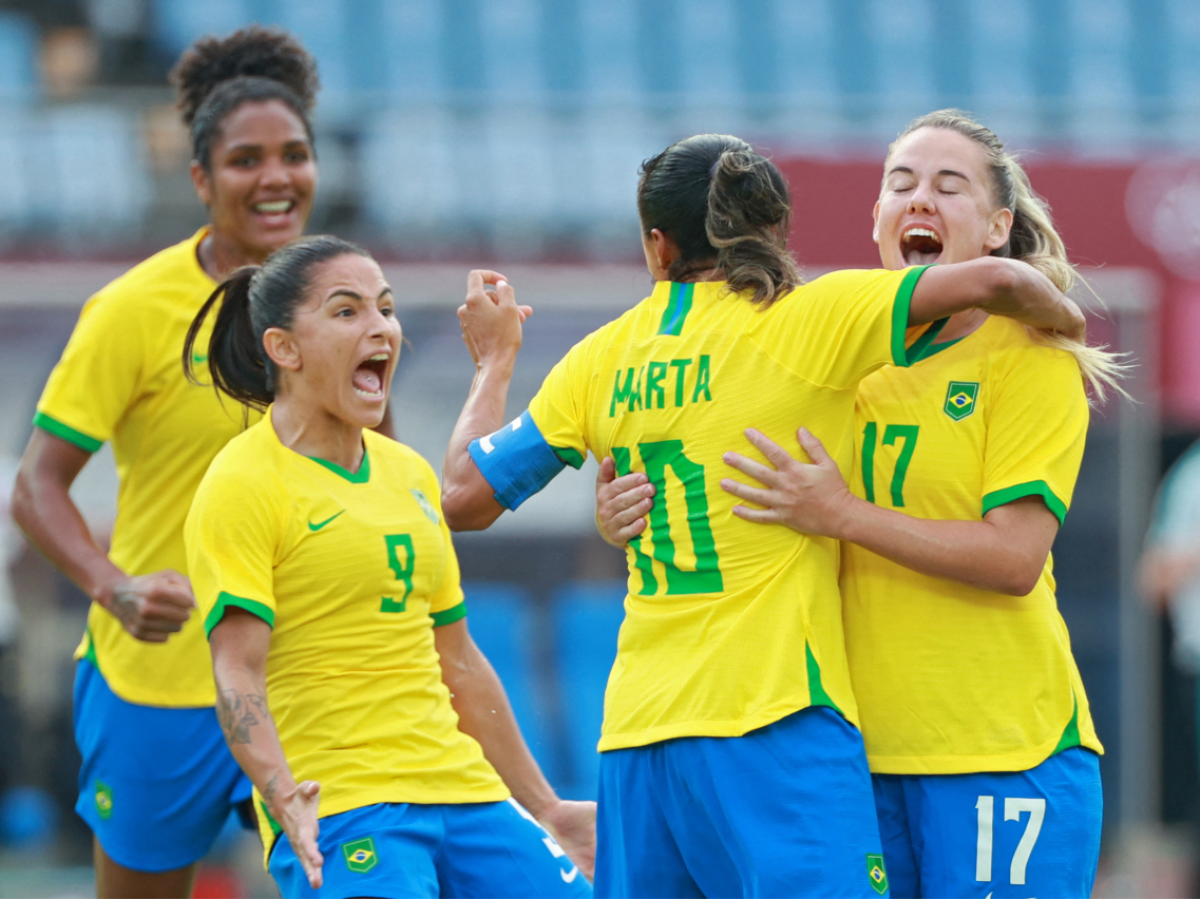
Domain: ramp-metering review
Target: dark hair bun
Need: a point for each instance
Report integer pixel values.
(254, 51)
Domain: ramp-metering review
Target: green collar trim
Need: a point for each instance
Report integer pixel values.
(362, 476)
(924, 346)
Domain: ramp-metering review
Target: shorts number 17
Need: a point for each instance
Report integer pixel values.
(1013, 807)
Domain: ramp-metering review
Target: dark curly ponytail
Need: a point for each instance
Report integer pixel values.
(215, 76)
(725, 207)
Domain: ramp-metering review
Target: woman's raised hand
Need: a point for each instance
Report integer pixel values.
(491, 320)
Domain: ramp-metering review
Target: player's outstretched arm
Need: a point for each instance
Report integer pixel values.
(485, 714)
(1003, 287)
(1004, 553)
(239, 643)
(491, 325)
(150, 607)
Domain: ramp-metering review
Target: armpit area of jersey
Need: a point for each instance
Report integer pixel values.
(516, 461)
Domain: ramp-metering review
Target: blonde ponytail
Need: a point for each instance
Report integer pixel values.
(1032, 239)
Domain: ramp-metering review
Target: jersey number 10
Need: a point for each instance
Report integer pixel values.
(657, 457)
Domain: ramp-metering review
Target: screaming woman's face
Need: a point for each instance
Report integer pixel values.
(937, 203)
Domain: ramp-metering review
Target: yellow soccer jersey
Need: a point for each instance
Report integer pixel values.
(121, 378)
(949, 678)
(352, 571)
(729, 626)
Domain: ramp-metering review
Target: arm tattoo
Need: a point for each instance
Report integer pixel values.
(268, 792)
(236, 713)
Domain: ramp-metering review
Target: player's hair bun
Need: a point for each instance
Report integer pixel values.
(253, 51)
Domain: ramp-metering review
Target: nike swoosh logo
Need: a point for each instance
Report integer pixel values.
(317, 526)
(198, 359)
(568, 877)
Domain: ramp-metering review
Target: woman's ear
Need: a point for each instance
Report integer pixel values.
(201, 183)
(281, 349)
(665, 250)
(999, 228)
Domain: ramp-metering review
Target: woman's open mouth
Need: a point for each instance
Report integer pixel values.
(368, 378)
(920, 246)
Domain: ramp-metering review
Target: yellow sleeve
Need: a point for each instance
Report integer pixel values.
(446, 605)
(98, 376)
(1037, 425)
(847, 324)
(559, 407)
(233, 532)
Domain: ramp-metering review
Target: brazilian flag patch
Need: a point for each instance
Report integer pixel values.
(877, 872)
(426, 507)
(960, 399)
(104, 800)
(360, 855)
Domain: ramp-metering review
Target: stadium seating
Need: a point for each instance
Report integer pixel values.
(586, 617)
(18, 58)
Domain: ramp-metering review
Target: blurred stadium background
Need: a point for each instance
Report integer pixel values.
(454, 133)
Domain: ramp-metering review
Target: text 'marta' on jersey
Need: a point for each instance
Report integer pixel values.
(729, 626)
(121, 378)
(352, 571)
(952, 679)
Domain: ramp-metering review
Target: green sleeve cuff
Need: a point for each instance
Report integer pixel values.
(224, 601)
(67, 433)
(1028, 489)
(570, 456)
(450, 616)
(900, 308)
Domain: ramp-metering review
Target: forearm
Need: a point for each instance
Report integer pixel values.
(1002, 287)
(485, 714)
(973, 553)
(250, 732)
(468, 500)
(53, 523)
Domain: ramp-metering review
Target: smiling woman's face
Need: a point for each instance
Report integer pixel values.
(260, 179)
(341, 350)
(937, 203)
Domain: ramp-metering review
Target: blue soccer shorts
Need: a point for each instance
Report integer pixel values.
(156, 784)
(994, 834)
(784, 811)
(432, 850)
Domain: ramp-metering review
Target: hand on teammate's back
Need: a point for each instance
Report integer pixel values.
(153, 607)
(811, 498)
(622, 504)
(491, 320)
(572, 823)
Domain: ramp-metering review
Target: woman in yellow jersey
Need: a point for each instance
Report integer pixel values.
(974, 716)
(726, 768)
(157, 783)
(348, 686)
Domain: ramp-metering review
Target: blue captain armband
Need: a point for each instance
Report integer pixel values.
(517, 462)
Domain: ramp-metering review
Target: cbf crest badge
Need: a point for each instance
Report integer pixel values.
(360, 855)
(960, 399)
(877, 872)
